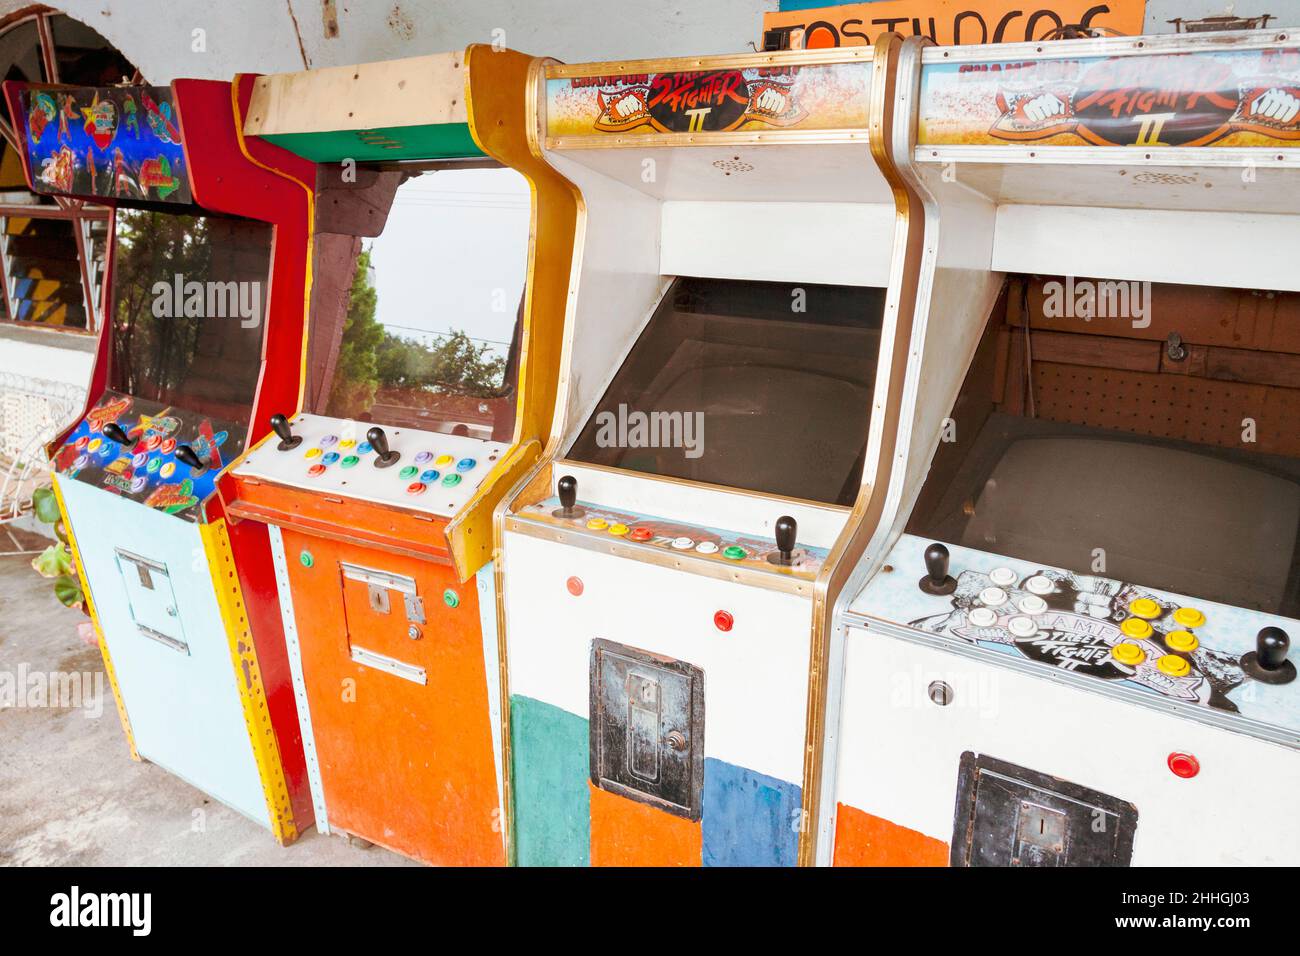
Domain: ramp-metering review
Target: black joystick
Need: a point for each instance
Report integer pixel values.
(1267, 662)
(786, 530)
(385, 456)
(280, 425)
(937, 580)
(116, 432)
(567, 486)
(187, 454)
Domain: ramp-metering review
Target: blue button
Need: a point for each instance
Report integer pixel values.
(363, 448)
(465, 464)
(430, 476)
(330, 458)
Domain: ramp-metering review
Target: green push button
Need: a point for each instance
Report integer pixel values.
(349, 461)
(735, 552)
(305, 559)
(450, 598)
(409, 471)
(451, 481)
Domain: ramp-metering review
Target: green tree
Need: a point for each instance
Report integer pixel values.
(356, 372)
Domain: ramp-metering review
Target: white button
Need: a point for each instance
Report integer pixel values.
(982, 617)
(707, 547)
(683, 544)
(1022, 627)
(1032, 604)
(1040, 585)
(993, 597)
(1002, 577)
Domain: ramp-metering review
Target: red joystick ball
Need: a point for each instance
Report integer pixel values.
(1184, 765)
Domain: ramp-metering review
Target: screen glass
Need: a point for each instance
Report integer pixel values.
(432, 334)
(756, 385)
(189, 309)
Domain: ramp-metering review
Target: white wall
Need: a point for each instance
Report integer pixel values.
(268, 36)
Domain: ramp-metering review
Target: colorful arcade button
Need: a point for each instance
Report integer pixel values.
(617, 530)
(330, 458)
(1173, 665)
(364, 448)
(593, 524)
(1145, 607)
(168, 446)
(312, 453)
(348, 461)
(151, 442)
(422, 456)
(138, 459)
(167, 470)
(348, 443)
(735, 552)
(1136, 627)
(416, 488)
(409, 471)
(1129, 654)
(1189, 617)
(466, 464)
(315, 470)
(443, 460)
(329, 441)
(430, 475)
(640, 533)
(1182, 641)
(450, 481)
(94, 445)
(138, 483)
(154, 465)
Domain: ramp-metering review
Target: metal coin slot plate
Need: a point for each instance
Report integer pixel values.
(389, 665)
(151, 599)
(380, 583)
(647, 728)
(1008, 815)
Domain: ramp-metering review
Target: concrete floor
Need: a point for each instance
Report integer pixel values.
(70, 794)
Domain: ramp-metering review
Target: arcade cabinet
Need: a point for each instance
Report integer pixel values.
(740, 318)
(1068, 643)
(431, 389)
(203, 337)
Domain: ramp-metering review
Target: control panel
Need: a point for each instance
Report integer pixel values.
(1196, 652)
(161, 456)
(425, 471)
(780, 555)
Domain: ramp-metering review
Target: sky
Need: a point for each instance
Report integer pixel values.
(453, 255)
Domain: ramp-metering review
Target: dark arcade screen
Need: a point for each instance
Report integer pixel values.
(763, 386)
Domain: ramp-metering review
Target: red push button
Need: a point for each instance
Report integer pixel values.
(723, 621)
(574, 584)
(640, 534)
(416, 488)
(1184, 765)
(316, 470)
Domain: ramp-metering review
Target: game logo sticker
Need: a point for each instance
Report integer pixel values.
(1242, 98)
(824, 96)
(103, 141)
(146, 469)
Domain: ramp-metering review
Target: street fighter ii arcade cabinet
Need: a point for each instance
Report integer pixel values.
(1067, 641)
(203, 337)
(379, 490)
(741, 299)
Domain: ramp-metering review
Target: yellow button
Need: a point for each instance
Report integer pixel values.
(1173, 665)
(1136, 627)
(312, 453)
(1128, 654)
(443, 460)
(347, 443)
(618, 529)
(94, 444)
(1189, 617)
(1182, 641)
(1145, 607)
(597, 524)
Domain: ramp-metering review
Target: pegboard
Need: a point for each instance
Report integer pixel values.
(1170, 406)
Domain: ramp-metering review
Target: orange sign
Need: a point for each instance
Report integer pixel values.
(951, 22)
